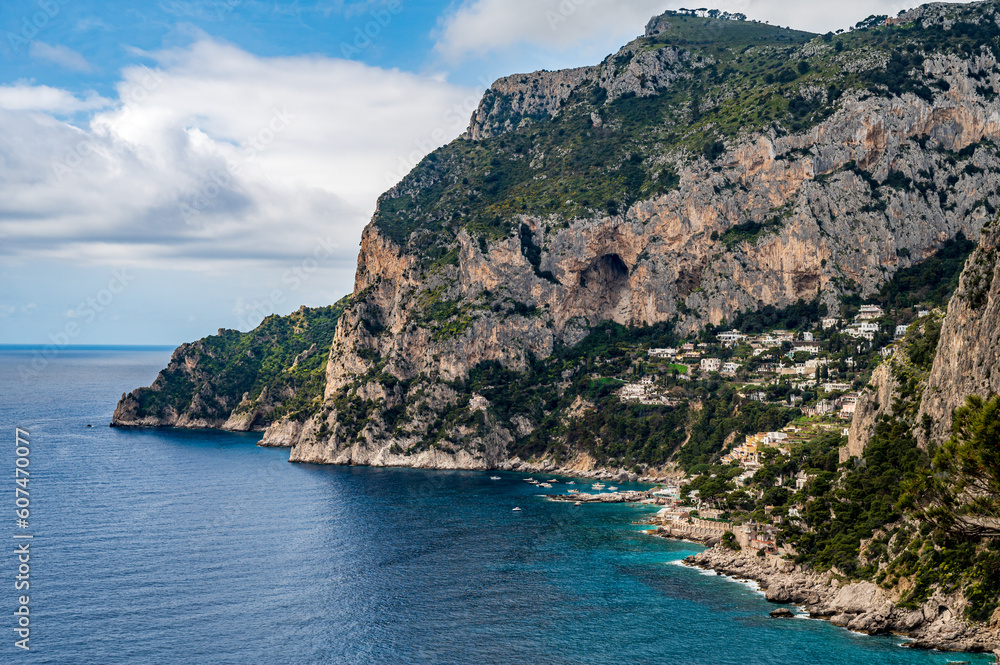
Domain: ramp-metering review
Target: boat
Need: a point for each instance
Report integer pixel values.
(612, 488)
(573, 492)
(544, 485)
(516, 509)
(598, 486)
(494, 477)
(553, 480)
(577, 503)
(570, 482)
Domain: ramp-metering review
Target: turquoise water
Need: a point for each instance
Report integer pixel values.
(199, 547)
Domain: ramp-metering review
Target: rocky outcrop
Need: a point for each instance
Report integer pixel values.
(874, 402)
(513, 98)
(859, 606)
(240, 381)
(968, 354)
(205, 408)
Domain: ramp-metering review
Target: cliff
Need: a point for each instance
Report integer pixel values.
(239, 381)
(968, 356)
(610, 199)
(708, 168)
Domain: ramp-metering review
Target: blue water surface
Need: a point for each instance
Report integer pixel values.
(178, 547)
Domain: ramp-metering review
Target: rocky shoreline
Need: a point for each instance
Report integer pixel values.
(859, 606)
(583, 466)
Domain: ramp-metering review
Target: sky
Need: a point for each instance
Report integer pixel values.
(173, 167)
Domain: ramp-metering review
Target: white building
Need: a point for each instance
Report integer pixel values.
(868, 312)
(901, 330)
(830, 322)
(710, 364)
(663, 353)
(731, 337)
(730, 368)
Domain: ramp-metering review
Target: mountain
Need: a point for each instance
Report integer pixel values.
(707, 170)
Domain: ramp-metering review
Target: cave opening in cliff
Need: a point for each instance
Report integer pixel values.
(607, 269)
(604, 284)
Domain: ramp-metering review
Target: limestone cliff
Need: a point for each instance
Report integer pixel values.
(707, 168)
(240, 381)
(773, 218)
(968, 355)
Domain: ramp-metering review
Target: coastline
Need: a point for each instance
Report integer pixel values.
(862, 607)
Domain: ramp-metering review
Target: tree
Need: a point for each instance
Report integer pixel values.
(964, 488)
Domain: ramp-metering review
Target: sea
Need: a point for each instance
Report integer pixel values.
(179, 546)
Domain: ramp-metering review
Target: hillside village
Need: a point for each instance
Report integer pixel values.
(755, 487)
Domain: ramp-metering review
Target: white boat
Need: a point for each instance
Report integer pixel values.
(598, 486)
(544, 485)
(572, 491)
(570, 482)
(516, 508)
(612, 488)
(553, 480)
(494, 477)
(577, 503)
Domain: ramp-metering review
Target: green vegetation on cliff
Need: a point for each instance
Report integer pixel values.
(229, 372)
(709, 81)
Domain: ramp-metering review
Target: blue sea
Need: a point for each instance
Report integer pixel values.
(199, 547)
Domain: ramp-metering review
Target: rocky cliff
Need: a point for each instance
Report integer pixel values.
(240, 381)
(859, 606)
(968, 355)
(708, 168)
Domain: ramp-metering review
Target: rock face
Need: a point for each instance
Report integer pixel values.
(968, 355)
(859, 606)
(663, 258)
(878, 177)
(241, 381)
(873, 403)
(514, 98)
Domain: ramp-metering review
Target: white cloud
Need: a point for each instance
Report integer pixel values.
(476, 28)
(26, 97)
(60, 55)
(215, 156)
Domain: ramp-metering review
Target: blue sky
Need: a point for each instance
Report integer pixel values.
(169, 168)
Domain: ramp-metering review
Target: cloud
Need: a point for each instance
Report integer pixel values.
(25, 97)
(214, 157)
(60, 55)
(476, 28)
